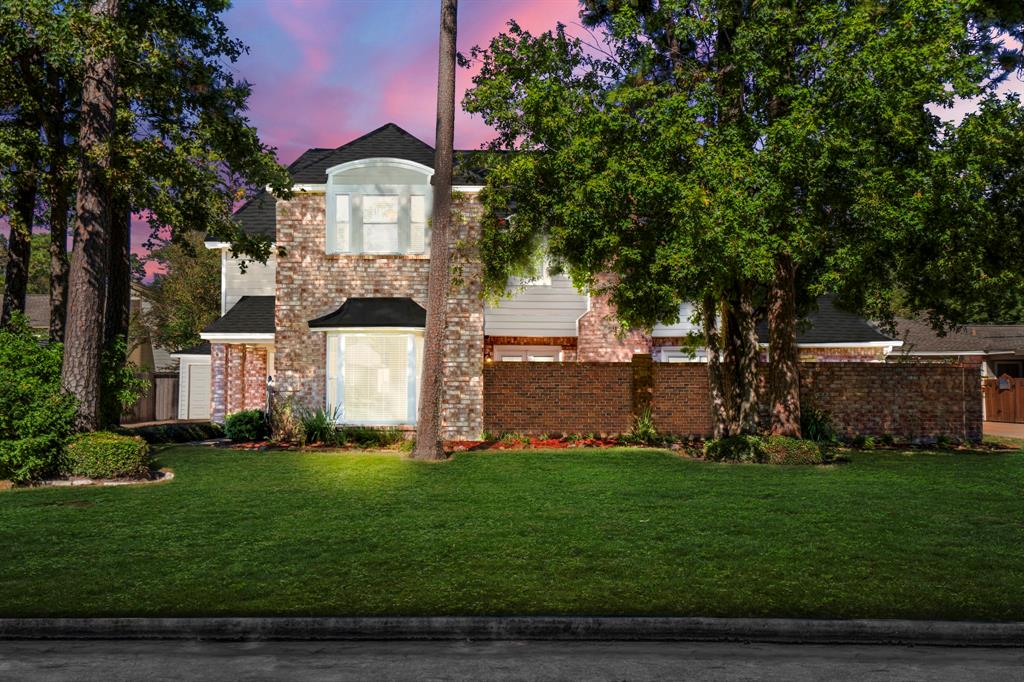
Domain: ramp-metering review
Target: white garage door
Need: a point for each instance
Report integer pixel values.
(198, 391)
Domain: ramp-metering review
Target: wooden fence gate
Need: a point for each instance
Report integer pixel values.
(159, 403)
(1004, 400)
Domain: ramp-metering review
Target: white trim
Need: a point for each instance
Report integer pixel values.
(952, 352)
(367, 330)
(469, 189)
(250, 338)
(217, 245)
(311, 187)
(191, 356)
(223, 281)
(526, 351)
(379, 161)
(864, 344)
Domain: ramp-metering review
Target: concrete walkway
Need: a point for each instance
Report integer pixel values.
(502, 660)
(1004, 429)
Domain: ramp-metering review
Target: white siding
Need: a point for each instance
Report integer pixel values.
(538, 310)
(258, 280)
(194, 388)
(680, 328)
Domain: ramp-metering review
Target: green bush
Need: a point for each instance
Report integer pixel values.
(286, 421)
(321, 426)
(761, 450)
(247, 425)
(36, 416)
(643, 432)
(103, 454)
(782, 450)
(817, 425)
(371, 437)
(736, 449)
(175, 433)
(862, 442)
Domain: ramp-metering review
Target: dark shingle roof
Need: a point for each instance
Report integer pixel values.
(201, 349)
(919, 337)
(258, 216)
(829, 324)
(251, 315)
(374, 312)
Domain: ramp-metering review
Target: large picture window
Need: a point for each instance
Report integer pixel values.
(373, 377)
(377, 219)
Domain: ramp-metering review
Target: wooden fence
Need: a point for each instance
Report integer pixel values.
(159, 403)
(1004, 400)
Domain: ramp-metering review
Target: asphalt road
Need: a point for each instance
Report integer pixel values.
(178, 660)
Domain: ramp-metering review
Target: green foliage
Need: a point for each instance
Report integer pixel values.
(103, 454)
(247, 425)
(286, 424)
(185, 297)
(185, 432)
(863, 442)
(763, 450)
(38, 264)
(783, 450)
(748, 449)
(321, 425)
(642, 431)
(36, 416)
(510, 438)
(121, 383)
(369, 437)
(816, 425)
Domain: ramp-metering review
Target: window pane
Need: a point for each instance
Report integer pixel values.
(380, 238)
(376, 379)
(542, 358)
(511, 358)
(342, 221)
(380, 208)
(418, 209)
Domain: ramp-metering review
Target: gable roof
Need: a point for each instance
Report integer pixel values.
(258, 216)
(251, 315)
(829, 325)
(374, 312)
(981, 339)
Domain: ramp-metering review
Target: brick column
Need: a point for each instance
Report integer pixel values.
(218, 382)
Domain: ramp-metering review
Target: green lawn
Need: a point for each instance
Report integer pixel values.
(916, 535)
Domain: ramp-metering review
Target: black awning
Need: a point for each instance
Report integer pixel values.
(374, 312)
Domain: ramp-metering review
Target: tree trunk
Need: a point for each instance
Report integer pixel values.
(740, 355)
(90, 255)
(117, 303)
(783, 357)
(716, 384)
(428, 427)
(19, 249)
(58, 200)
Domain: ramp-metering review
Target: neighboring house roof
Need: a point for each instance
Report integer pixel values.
(973, 339)
(830, 325)
(258, 216)
(37, 310)
(374, 312)
(201, 349)
(251, 315)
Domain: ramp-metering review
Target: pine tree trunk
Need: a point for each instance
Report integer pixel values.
(783, 357)
(117, 304)
(748, 352)
(716, 385)
(19, 250)
(428, 426)
(58, 214)
(90, 256)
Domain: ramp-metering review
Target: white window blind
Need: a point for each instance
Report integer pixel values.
(380, 223)
(418, 223)
(376, 378)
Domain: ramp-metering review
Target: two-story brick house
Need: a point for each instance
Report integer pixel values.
(335, 318)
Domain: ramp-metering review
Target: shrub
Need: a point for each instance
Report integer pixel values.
(321, 425)
(817, 425)
(783, 450)
(371, 437)
(174, 433)
(642, 432)
(36, 417)
(736, 449)
(286, 422)
(103, 454)
(758, 450)
(862, 442)
(246, 425)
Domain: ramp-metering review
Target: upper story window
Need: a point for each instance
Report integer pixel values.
(378, 206)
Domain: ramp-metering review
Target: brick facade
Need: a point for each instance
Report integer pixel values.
(238, 379)
(600, 337)
(566, 343)
(912, 401)
(311, 283)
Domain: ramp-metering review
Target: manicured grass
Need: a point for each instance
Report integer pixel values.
(890, 535)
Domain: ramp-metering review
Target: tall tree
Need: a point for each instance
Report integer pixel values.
(90, 258)
(428, 424)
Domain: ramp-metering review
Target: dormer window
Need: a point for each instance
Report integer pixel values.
(378, 207)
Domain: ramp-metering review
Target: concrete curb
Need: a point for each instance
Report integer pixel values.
(806, 631)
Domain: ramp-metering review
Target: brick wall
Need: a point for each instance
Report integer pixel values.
(566, 343)
(238, 379)
(557, 397)
(917, 401)
(311, 283)
(600, 338)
